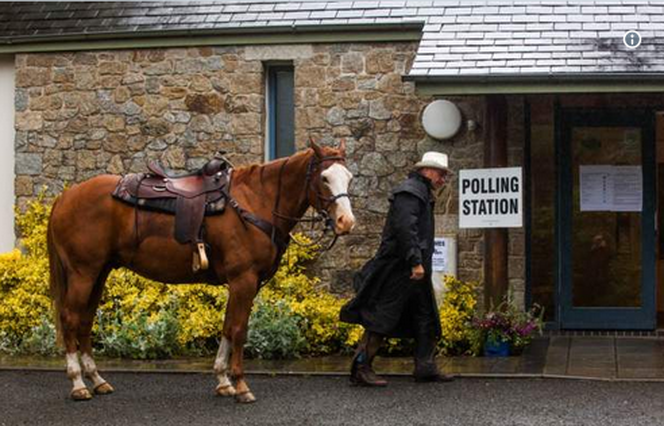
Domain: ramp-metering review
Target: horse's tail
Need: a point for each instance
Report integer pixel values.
(58, 276)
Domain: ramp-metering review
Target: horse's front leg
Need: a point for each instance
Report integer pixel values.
(242, 291)
(225, 387)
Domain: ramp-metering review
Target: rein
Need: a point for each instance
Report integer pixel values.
(277, 237)
(322, 211)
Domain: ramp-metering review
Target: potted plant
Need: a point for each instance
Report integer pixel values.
(508, 329)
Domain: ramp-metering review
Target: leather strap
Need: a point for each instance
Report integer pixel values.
(189, 213)
(276, 236)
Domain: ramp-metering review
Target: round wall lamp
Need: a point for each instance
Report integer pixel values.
(441, 119)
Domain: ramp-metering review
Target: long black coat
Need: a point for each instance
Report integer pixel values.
(387, 300)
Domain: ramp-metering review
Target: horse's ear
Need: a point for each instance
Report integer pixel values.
(317, 149)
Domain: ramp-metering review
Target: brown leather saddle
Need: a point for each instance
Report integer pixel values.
(189, 197)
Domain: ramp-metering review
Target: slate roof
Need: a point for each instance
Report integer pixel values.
(460, 39)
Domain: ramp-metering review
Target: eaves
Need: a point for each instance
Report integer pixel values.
(405, 31)
(591, 82)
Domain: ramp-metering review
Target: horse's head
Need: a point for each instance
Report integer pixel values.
(330, 179)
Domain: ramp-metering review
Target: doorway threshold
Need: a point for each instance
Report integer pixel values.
(605, 333)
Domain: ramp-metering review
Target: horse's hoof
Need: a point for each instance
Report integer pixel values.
(82, 394)
(245, 397)
(104, 389)
(226, 390)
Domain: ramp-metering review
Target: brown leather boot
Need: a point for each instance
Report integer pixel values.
(426, 369)
(361, 372)
(365, 376)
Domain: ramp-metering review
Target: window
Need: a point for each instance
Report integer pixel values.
(280, 112)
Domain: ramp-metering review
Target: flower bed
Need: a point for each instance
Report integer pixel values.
(509, 328)
(142, 319)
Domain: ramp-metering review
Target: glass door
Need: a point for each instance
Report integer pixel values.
(606, 212)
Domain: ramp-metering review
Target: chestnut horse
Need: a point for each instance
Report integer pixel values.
(90, 233)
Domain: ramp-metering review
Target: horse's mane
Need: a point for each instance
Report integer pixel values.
(244, 174)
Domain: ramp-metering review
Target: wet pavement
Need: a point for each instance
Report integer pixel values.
(579, 357)
(41, 398)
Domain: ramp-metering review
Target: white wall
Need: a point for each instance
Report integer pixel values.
(7, 236)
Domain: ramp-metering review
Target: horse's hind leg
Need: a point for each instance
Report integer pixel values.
(242, 292)
(100, 386)
(72, 316)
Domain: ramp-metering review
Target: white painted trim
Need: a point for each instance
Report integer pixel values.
(7, 155)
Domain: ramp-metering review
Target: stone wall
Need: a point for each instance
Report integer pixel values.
(80, 114)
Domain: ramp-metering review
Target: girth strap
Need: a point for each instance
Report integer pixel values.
(277, 237)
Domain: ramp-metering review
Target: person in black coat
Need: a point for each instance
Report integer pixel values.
(395, 295)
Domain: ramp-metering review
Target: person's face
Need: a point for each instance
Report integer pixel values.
(437, 177)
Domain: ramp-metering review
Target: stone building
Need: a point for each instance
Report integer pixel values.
(547, 86)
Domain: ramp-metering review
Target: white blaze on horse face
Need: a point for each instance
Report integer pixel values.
(337, 178)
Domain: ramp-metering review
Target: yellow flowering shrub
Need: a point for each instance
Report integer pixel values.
(196, 310)
(140, 318)
(459, 336)
(24, 292)
(24, 295)
(318, 309)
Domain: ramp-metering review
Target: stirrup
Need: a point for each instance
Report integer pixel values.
(200, 261)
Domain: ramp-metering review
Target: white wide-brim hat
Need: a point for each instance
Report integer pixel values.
(434, 160)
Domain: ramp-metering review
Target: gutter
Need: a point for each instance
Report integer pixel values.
(634, 77)
(538, 83)
(222, 36)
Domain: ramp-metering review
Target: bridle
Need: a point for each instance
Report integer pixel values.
(321, 202)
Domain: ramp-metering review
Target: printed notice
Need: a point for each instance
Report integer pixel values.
(628, 189)
(444, 255)
(596, 184)
(439, 260)
(611, 188)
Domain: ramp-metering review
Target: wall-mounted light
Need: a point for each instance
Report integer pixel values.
(441, 119)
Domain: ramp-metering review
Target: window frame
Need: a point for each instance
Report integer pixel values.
(272, 71)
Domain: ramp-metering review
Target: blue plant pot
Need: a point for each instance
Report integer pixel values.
(494, 349)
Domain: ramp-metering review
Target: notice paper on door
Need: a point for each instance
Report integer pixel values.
(611, 188)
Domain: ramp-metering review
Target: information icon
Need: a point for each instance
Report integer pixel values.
(632, 39)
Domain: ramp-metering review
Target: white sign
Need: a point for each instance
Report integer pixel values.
(596, 188)
(628, 189)
(444, 259)
(611, 188)
(491, 198)
(444, 263)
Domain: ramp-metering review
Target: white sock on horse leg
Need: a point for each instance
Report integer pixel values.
(90, 369)
(74, 370)
(221, 363)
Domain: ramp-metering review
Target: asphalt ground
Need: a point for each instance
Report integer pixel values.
(41, 398)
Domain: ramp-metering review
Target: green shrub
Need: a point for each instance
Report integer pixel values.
(318, 309)
(140, 318)
(41, 340)
(141, 335)
(274, 331)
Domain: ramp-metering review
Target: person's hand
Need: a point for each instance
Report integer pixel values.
(417, 272)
